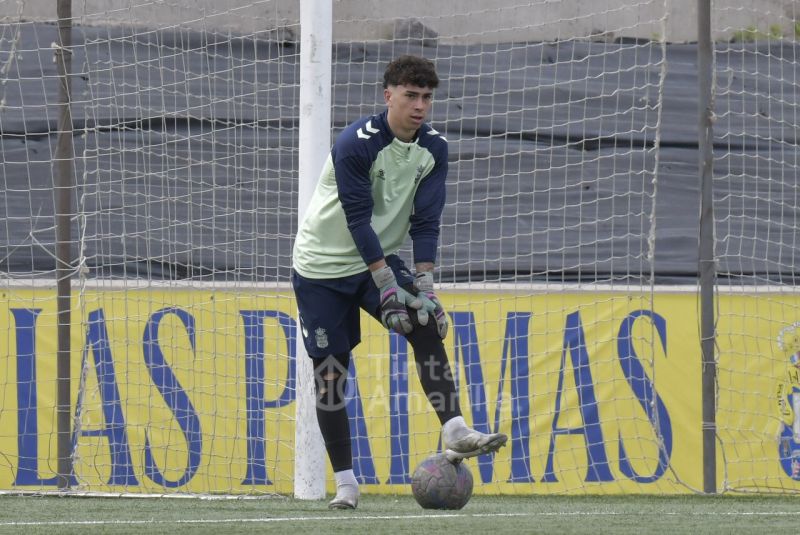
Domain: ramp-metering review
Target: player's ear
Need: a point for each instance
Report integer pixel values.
(387, 94)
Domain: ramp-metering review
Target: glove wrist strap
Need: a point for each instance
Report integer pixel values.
(424, 281)
(383, 277)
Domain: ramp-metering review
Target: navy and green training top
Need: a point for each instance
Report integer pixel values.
(373, 190)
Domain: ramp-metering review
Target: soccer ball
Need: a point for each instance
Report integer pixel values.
(439, 484)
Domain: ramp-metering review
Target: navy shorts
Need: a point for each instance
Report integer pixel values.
(330, 321)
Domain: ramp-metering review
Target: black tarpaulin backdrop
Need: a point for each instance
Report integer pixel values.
(186, 156)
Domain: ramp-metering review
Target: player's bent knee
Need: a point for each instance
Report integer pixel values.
(330, 381)
(330, 393)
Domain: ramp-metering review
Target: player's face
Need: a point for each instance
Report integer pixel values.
(408, 108)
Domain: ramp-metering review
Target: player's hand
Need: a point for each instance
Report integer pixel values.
(423, 282)
(394, 301)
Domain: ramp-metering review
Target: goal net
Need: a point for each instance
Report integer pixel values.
(567, 260)
(552, 113)
(755, 203)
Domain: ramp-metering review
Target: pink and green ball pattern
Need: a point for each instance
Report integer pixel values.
(439, 484)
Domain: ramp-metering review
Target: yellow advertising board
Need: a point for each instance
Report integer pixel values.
(193, 390)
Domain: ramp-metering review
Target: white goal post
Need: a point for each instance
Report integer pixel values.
(316, 28)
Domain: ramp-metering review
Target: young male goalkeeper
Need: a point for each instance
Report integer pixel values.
(384, 178)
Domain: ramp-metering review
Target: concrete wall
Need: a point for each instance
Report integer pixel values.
(454, 21)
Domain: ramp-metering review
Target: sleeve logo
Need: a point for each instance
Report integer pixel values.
(367, 130)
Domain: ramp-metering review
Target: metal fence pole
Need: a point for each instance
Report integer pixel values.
(706, 267)
(63, 191)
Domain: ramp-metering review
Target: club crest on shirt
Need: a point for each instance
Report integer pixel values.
(420, 170)
(322, 338)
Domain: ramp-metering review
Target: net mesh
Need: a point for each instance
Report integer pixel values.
(570, 207)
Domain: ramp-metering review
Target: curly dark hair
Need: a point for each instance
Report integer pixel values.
(411, 70)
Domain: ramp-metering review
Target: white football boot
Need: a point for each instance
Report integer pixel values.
(346, 497)
(462, 442)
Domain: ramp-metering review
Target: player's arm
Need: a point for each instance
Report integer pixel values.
(427, 213)
(420, 267)
(355, 196)
(425, 222)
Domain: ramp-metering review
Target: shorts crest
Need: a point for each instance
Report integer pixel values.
(322, 338)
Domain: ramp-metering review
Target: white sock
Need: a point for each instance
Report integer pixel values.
(345, 477)
(453, 423)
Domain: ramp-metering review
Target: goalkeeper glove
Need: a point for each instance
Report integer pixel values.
(394, 300)
(430, 303)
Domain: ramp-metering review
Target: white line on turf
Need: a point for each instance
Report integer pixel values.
(357, 517)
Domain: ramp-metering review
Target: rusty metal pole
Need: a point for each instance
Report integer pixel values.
(64, 185)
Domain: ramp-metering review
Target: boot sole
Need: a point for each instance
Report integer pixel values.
(493, 445)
